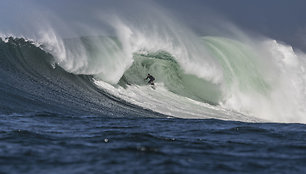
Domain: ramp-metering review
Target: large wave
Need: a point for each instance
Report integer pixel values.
(232, 78)
(259, 82)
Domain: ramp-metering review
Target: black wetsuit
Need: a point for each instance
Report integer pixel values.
(151, 79)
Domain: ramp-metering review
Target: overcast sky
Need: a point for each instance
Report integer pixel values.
(279, 19)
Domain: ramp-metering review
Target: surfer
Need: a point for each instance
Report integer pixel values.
(149, 76)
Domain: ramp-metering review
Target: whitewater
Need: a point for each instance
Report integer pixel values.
(241, 79)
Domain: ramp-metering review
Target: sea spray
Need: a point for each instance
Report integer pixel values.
(257, 78)
(235, 75)
(265, 80)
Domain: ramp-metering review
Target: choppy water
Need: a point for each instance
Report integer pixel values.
(49, 143)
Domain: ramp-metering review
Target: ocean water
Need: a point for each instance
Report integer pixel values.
(220, 105)
(50, 143)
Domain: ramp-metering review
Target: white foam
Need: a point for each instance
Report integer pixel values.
(284, 73)
(165, 102)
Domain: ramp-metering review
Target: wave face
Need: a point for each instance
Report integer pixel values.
(31, 82)
(196, 77)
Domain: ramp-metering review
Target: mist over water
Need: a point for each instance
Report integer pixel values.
(238, 77)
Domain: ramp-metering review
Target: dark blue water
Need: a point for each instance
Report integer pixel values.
(46, 143)
(52, 121)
